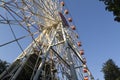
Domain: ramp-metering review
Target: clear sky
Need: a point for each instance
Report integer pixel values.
(99, 34)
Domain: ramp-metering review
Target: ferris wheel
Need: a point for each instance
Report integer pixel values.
(55, 51)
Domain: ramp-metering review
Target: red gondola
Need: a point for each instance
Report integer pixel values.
(62, 3)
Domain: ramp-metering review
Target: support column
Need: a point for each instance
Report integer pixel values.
(72, 68)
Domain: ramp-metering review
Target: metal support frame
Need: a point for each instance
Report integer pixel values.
(40, 66)
(44, 58)
(20, 68)
(72, 68)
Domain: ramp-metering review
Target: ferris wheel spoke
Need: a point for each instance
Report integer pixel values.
(47, 5)
(42, 7)
(38, 14)
(13, 33)
(1, 45)
(54, 7)
(17, 39)
(2, 17)
(4, 21)
(13, 22)
(11, 12)
(21, 13)
(57, 2)
(44, 17)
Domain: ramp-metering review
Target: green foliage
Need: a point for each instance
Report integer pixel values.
(3, 65)
(111, 70)
(113, 6)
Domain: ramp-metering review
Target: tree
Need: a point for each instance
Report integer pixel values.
(3, 65)
(111, 70)
(113, 6)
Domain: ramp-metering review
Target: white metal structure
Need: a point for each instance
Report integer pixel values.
(55, 53)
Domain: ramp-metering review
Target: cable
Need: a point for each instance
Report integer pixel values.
(23, 26)
(15, 37)
(8, 8)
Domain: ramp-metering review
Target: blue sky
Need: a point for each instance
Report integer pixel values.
(99, 34)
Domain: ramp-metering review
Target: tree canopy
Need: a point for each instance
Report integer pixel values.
(111, 70)
(113, 6)
(3, 65)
